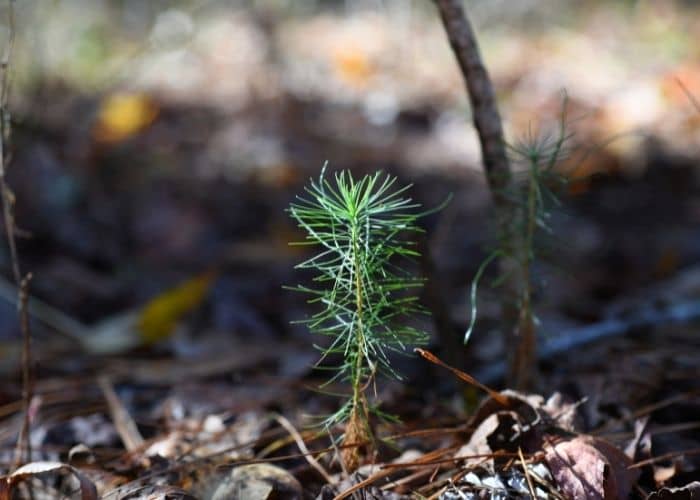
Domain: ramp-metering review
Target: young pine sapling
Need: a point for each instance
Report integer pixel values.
(359, 227)
(532, 193)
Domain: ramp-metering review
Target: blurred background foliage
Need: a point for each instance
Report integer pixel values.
(620, 57)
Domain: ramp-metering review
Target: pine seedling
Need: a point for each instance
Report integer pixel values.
(362, 293)
(532, 193)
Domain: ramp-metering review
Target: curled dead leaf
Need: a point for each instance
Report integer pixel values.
(44, 470)
(591, 468)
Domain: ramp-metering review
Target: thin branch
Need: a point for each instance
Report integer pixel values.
(23, 451)
(577, 337)
(530, 487)
(693, 100)
(23, 442)
(125, 425)
(60, 322)
(5, 192)
(497, 396)
(665, 456)
(302, 447)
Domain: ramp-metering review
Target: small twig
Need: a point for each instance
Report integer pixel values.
(302, 447)
(672, 428)
(6, 194)
(23, 452)
(23, 445)
(336, 451)
(526, 471)
(125, 425)
(463, 376)
(665, 456)
(59, 321)
(453, 488)
(455, 458)
(693, 100)
(388, 471)
(648, 409)
(577, 337)
(420, 474)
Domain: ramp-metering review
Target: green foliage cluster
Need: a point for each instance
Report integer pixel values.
(360, 288)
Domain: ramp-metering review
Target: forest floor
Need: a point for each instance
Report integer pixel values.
(152, 217)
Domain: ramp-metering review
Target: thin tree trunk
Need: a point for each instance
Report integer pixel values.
(480, 90)
(519, 333)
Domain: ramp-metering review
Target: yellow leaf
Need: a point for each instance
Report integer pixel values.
(159, 317)
(122, 115)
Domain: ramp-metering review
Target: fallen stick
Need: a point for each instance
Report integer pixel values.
(613, 327)
(125, 425)
(59, 321)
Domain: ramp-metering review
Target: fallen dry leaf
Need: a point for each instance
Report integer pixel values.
(45, 470)
(250, 482)
(591, 468)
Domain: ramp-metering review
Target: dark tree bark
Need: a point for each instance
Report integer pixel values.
(519, 332)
